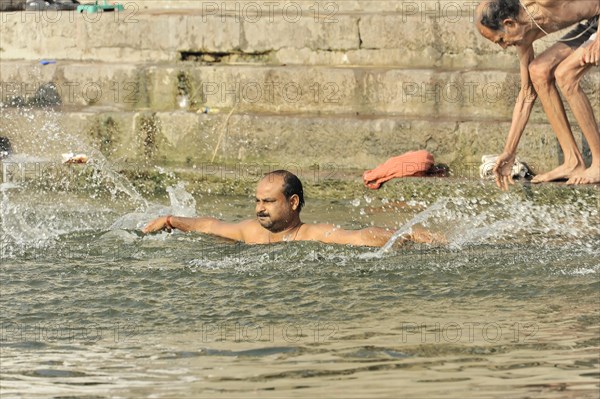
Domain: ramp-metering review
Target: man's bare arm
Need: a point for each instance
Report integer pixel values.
(520, 117)
(369, 237)
(232, 231)
(525, 100)
(330, 234)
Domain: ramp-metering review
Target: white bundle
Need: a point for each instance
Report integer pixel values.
(486, 169)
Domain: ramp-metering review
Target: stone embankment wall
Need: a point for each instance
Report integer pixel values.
(348, 83)
(11, 5)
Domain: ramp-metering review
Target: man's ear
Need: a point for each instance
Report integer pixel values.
(294, 201)
(509, 23)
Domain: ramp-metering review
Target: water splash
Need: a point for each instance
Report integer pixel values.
(407, 227)
(42, 198)
(182, 202)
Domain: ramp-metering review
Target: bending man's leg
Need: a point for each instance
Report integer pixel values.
(569, 74)
(542, 71)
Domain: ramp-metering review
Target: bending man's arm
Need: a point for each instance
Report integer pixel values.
(520, 117)
(201, 225)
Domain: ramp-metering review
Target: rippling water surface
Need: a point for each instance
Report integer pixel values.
(92, 308)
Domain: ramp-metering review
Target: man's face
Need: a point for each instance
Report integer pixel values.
(511, 36)
(274, 212)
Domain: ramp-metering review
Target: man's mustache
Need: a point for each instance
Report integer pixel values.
(262, 214)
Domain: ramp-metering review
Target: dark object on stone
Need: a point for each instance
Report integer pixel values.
(14, 101)
(5, 147)
(67, 4)
(46, 96)
(439, 170)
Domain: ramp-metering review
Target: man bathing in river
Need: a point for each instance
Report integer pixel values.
(279, 200)
(519, 23)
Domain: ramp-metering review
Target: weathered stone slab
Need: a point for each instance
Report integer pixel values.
(136, 35)
(411, 37)
(332, 142)
(308, 7)
(265, 35)
(11, 5)
(76, 84)
(425, 28)
(269, 89)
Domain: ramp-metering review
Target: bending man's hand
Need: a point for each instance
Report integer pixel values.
(503, 170)
(591, 54)
(158, 224)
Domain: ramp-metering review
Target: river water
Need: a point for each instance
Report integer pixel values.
(92, 308)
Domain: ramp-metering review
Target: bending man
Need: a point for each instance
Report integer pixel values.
(514, 23)
(279, 200)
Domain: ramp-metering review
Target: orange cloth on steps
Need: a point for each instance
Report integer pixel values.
(414, 163)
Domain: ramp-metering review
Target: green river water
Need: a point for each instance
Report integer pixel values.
(92, 308)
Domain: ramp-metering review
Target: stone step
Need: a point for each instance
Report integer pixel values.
(329, 142)
(247, 9)
(312, 7)
(413, 37)
(414, 93)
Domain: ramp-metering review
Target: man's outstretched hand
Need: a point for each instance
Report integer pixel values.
(503, 170)
(157, 224)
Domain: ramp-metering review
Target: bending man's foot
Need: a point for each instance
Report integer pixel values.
(562, 172)
(589, 176)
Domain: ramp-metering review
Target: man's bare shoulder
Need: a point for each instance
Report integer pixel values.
(250, 226)
(312, 228)
(318, 231)
(252, 232)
